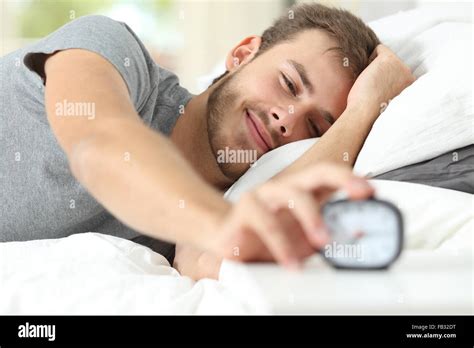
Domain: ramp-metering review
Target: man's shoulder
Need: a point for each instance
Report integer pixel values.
(95, 21)
(97, 28)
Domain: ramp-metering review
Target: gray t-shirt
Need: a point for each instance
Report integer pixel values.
(39, 196)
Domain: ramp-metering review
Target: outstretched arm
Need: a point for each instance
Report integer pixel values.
(135, 172)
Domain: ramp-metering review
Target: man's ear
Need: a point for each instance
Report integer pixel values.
(243, 52)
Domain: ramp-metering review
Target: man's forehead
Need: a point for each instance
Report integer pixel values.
(310, 49)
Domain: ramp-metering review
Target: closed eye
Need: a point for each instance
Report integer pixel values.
(314, 130)
(289, 84)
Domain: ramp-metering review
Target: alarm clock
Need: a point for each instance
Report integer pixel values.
(364, 234)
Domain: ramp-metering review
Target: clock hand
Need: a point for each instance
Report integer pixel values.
(357, 235)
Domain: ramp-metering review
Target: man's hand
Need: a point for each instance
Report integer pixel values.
(196, 264)
(280, 220)
(383, 79)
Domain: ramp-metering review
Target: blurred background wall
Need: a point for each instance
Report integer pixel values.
(188, 37)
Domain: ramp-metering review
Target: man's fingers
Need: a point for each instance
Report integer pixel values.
(379, 50)
(303, 206)
(374, 54)
(282, 218)
(359, 188)
(333, 177)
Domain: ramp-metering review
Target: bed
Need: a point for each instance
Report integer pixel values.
(91, 273)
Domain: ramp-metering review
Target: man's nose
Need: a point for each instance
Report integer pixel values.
(283, 120)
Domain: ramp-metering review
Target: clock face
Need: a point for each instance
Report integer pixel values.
(364, 233)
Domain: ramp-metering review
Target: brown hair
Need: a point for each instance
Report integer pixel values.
(356, 40)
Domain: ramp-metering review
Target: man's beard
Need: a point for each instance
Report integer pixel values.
(219, 104)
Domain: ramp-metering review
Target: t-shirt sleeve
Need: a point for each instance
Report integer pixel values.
(113, 40)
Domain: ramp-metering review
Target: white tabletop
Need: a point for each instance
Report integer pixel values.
(420, 282)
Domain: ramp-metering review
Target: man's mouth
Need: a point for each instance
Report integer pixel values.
(257, 131)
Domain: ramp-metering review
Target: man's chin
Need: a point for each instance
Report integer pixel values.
(234, 171)
(234, 162)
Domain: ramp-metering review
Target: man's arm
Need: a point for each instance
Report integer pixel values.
(134, 172)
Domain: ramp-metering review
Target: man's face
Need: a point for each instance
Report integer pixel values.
(293, 91)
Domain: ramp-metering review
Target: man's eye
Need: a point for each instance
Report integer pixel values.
(314, 129)
(289, 84)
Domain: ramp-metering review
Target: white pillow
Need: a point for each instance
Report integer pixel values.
(432, 116)
(267, 166)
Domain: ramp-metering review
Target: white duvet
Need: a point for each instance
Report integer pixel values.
(93, 273)
(98, 274)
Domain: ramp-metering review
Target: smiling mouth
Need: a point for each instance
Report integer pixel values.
(255, 133)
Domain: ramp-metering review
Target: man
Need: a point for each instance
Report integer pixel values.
(97, 137)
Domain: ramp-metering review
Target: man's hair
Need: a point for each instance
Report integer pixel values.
(356, 40)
